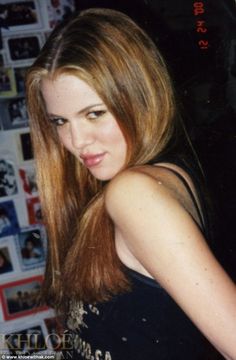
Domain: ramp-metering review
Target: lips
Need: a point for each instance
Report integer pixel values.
(92, 160)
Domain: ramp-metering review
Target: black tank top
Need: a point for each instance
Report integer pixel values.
(142, 324)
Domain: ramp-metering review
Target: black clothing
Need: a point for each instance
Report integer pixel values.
(142, 324)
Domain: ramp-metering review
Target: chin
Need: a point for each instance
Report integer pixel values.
(104, 175)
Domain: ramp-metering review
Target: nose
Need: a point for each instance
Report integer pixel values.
(81, 135)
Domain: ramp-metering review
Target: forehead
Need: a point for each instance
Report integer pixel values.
(67, 91)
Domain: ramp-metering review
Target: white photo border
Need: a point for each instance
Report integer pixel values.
(25, 61)
(38, 25)
(38, 263)
(9, 314)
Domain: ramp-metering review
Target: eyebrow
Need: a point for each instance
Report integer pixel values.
(82, 111)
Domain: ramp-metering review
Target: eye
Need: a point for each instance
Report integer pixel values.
(58, 121)
(93, 115)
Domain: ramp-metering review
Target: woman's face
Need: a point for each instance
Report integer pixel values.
(84, 125)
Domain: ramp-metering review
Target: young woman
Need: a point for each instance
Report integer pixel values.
(128, 257)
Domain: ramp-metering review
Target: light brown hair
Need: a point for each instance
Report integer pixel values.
(120, 62)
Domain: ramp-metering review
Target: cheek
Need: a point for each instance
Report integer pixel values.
(113, 134)
(66, 141)
(65, 138)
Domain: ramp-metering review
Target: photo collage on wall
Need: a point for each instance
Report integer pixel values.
(25, 26)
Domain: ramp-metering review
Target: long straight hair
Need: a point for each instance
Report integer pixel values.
(114, 56)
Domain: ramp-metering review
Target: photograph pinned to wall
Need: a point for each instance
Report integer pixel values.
(22, 49)
(28, 180)
(14, 113)
(9, 224)
(55, 332)
(59, 10)
(9, 264)
(34, 210)
(25, 151)
(21, 15)
(8, 181)
(31, 245)
(21, 298)
(7, 83)
(27, 340)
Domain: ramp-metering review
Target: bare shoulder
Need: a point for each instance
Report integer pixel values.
(133, 177)
(136, 186)
(165, 241)
(164, 183)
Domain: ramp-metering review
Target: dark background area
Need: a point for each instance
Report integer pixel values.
(198, 42)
